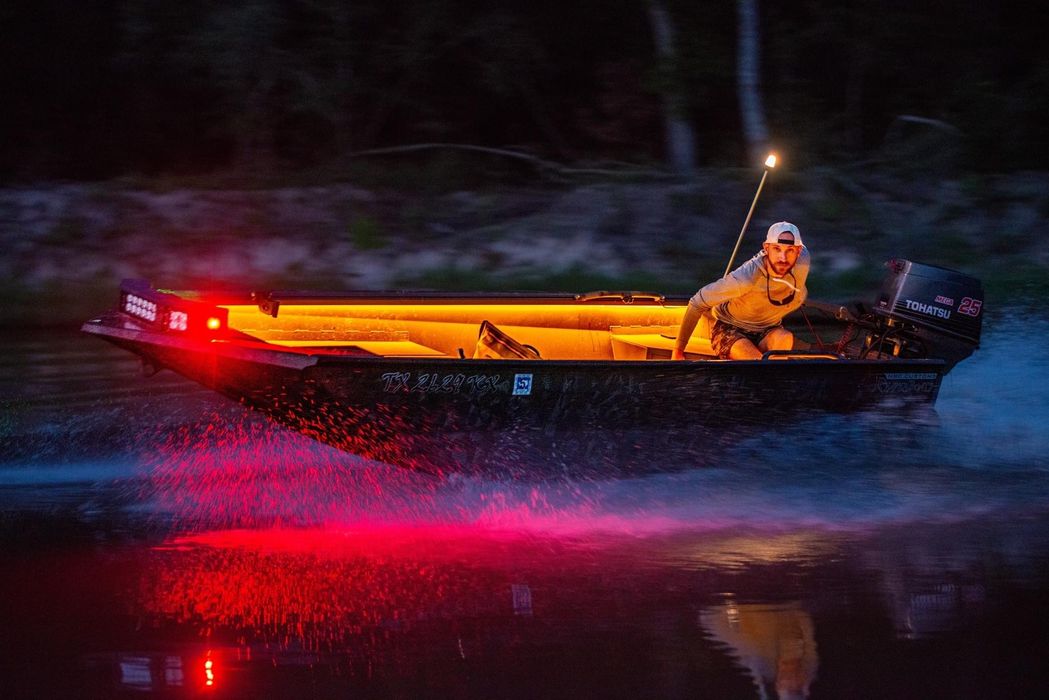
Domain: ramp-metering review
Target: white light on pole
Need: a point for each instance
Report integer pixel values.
(770, 163)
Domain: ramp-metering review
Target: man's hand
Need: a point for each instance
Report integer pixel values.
(676, 354)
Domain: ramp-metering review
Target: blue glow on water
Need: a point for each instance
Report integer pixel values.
(995, 406)
(94, 472)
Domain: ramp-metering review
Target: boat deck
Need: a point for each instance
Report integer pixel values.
(383, 348)
(559, 330)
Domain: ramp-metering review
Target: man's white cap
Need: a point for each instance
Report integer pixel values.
(784, 233)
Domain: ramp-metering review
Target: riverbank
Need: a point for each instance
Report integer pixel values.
(67, 246)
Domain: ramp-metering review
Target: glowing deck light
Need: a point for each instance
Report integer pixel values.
(770, 162)
(214, 323)
(209, 674)
(178, 321)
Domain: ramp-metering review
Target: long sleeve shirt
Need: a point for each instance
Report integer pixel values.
(744, 298)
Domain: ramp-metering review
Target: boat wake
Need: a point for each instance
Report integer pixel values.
(981, 454)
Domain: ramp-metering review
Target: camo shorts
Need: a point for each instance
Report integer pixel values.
(723, 336)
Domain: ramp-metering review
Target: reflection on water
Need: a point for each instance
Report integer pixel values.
(157, 540)
(469, 611)
(775, 643)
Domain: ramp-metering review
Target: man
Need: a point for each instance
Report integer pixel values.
(749, 304)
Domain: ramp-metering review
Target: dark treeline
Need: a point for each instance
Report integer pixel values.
(107, 88)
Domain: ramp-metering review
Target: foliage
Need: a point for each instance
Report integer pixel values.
(366, 234)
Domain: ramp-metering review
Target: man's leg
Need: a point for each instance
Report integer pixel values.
(778, 338)
(743, 349)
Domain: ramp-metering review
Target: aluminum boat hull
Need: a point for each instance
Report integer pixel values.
(514, 417)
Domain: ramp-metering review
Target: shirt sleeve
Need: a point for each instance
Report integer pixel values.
(736, 284)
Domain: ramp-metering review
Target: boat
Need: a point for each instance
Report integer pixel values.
(472, 382)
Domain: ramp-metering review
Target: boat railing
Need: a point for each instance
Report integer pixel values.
(625, 297)
(800, 355)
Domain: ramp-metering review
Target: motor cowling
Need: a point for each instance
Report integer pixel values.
(927, 311)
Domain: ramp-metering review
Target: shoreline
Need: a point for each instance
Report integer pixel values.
(68, 246)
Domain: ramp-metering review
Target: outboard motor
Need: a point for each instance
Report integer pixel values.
(926, 311)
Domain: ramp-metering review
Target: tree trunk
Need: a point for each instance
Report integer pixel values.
(680, 138)
(748, 77)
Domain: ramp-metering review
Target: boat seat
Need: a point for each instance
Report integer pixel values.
(657, 342)
(495, 344)
(655, 346)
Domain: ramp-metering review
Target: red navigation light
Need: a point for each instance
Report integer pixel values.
(214, 323)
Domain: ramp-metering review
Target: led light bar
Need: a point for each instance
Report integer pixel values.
(170, 313)
(142, 308)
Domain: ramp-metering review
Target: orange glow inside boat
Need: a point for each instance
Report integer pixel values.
(558, 331)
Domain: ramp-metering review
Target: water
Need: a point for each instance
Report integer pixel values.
(158, 540)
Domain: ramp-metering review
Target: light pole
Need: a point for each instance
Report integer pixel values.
(770, 163)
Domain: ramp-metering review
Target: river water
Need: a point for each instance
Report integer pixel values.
(157, 539)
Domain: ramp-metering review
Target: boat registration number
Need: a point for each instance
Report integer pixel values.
(438, 383)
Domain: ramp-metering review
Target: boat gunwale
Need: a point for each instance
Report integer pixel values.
(245, 348)
(247, 297)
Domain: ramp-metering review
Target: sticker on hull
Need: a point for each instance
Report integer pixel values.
(522, 385)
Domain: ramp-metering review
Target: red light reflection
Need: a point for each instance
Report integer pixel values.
(236, 469)
(303, 593)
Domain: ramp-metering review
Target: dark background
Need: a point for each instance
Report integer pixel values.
(96, 90)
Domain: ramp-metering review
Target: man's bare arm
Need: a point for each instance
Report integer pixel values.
(688, 325)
